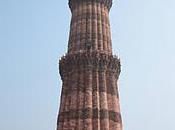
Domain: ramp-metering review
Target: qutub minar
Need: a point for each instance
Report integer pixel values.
(89, 71)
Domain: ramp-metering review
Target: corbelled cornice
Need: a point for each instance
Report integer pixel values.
(101, 61)
(108, 3)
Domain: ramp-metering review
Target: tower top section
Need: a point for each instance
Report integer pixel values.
(73, 3)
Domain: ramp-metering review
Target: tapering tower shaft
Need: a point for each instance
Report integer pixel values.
(89, 71)
(90, 25)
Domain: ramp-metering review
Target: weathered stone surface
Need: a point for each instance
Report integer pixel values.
(90, 24)
(93, 60)
(74, 3)
(89, 71)
(89, 113)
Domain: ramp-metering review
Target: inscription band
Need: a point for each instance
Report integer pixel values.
(89, 113)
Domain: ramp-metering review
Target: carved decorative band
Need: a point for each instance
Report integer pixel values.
(89, 113)
(108, 3)
(96, 60)
(110, 90)
(88, 15)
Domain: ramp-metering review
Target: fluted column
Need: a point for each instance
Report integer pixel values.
(81, 98)
(90, 96)
(88, 99)
(89, 27)
(95, 101)
(89, 71)
(104, 115)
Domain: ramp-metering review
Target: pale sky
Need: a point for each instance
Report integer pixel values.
(34, 35)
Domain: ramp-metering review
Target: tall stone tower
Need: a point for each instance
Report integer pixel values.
(89, 71)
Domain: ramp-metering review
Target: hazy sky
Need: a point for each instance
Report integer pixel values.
(34, 35)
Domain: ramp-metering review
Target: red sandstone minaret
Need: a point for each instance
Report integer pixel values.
(89, 71)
